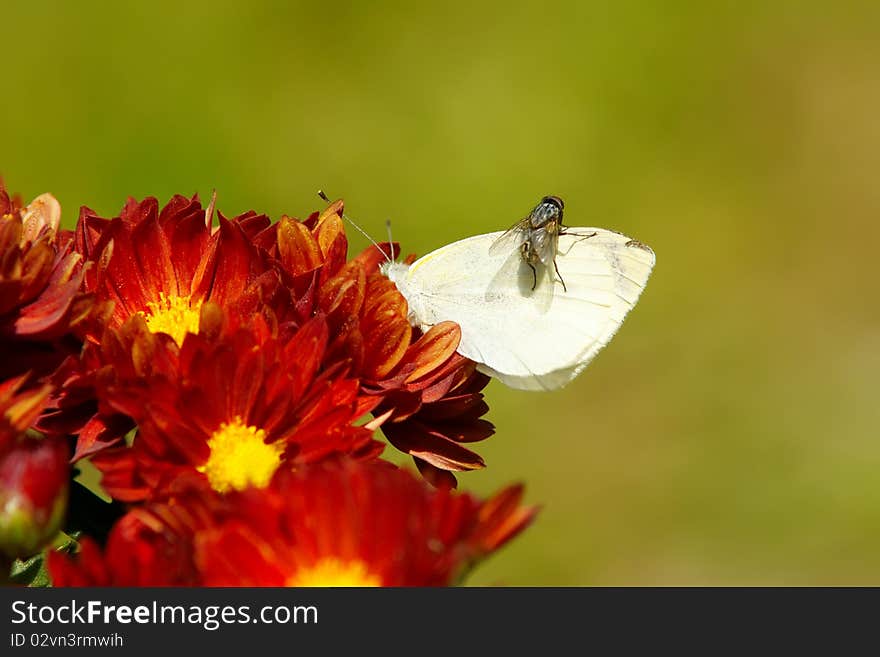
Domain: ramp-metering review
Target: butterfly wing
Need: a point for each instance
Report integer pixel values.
(530, 339)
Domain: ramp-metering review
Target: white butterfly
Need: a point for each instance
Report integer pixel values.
(518, 321)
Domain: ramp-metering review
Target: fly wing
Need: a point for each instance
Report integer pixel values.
(511, 239)
(546, 245)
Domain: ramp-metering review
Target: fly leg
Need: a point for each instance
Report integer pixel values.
(556, 267)
(525, 250)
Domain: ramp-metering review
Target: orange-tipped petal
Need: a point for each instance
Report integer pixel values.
(433, 348)
(44, 212)
(299, 252)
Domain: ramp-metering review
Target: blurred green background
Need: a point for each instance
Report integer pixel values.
(729, 433)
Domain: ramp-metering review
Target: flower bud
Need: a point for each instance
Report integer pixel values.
(34, 485)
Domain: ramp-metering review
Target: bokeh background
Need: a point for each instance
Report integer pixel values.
(729, 433)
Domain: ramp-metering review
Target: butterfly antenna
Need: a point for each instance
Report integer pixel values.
(358, 228)
(390, 241)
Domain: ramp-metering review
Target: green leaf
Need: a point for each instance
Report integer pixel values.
(32, 572)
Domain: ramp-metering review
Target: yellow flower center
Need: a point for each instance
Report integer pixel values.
(173, 315)
(330, 571)
(240, 457)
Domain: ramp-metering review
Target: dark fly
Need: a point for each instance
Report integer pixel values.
(536, 237)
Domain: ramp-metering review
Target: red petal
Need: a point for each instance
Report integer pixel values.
(306, 348)
(299, 252)
(99, 433)
(501, 518)
(383, 349)
(120, 477)
(416, 439)
(435, 476)
(371, 257)
(152, 253)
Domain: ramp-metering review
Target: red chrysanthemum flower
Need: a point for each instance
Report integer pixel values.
(431, 400)
(334, 524)
(234, 402)
(241, 359)
(161, 266)
(431, 394)
(432, 424)
(356, 525)
(41, 304)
